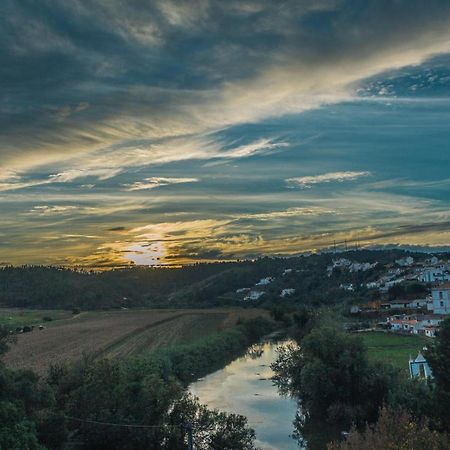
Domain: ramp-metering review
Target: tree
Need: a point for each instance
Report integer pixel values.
(394, 431)
(330, 375)
(438, 357)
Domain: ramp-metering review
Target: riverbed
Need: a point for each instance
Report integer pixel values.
(245, 387)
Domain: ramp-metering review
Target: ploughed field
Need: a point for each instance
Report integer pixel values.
(114, 333)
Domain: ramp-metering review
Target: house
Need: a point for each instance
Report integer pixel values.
(402, 304)
(405, 262)
(433, 274)
(430, 319)
(287, 292)
(265, 281)
(347, 286)
(419, 368)
(441, 299)
(418, 303)
(396, 324)
(254, 295)
(430, 331)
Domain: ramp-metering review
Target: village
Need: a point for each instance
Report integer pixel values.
(385, 309)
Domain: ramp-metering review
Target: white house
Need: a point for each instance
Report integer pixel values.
(287, 292)
(265, 281)
(405, 262)
(441, 299)
(254, 295)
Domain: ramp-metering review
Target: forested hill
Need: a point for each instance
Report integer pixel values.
(197, 285)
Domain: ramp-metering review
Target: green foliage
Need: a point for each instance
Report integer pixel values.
(438, 356)
(394, 430)
(80, 405)
(192, 361)
(407, 291)
(201, 285)
(331, 376)
(22, 400)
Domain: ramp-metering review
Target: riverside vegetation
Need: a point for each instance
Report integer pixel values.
(339, 388)
(78, 405)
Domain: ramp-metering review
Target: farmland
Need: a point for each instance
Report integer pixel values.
(114, 333)
(394, 349)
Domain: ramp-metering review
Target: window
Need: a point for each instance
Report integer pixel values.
(441, 303)
(441, 295)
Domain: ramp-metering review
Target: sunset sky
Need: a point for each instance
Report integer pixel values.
(168, 132)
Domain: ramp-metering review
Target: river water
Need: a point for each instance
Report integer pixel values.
(245, 387)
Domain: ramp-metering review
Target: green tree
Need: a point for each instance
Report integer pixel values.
(330, 375)
(438, 356)
(394, 430)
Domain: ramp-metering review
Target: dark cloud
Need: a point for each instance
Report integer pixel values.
(143, 65)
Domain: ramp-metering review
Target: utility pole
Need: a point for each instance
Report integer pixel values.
(190, 438)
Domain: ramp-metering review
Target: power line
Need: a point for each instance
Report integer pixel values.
(125, 425)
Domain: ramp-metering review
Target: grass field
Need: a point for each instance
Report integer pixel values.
(18, 317)
(393, 348)
(115, 333)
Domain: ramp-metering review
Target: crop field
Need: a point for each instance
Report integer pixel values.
(395, 349)
(115, 334)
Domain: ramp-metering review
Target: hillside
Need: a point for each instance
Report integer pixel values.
(201, 285)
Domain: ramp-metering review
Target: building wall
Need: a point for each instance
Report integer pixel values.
(441, 301)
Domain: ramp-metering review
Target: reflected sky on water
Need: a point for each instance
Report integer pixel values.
(244, 387)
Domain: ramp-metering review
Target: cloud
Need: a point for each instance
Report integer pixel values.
(162, 70)
(308, 181)
(288, 213)
(60, 210)
(15, 181)
(155, 182)
(46, 210)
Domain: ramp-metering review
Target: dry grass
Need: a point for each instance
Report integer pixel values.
(117, 334)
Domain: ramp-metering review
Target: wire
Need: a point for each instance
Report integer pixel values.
(126, 425)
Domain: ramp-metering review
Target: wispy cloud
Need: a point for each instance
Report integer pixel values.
(308, 181)
(288, 213)
(15, 181)
(60, 210)
(155, 182)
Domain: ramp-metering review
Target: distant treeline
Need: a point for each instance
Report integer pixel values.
(200, 285)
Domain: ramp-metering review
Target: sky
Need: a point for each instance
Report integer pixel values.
(164, 132)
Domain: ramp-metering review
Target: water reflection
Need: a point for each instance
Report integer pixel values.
(245, 387)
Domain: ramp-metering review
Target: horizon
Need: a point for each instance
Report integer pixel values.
(169, 133)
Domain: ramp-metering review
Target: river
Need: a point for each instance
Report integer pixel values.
(245, 387)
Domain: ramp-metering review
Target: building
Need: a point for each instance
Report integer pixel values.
(254, 295)
(434, 274)
(419, 368)
(405, 262)
(441, 299)
(287, 292)
(408, 304)
(265, 281)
